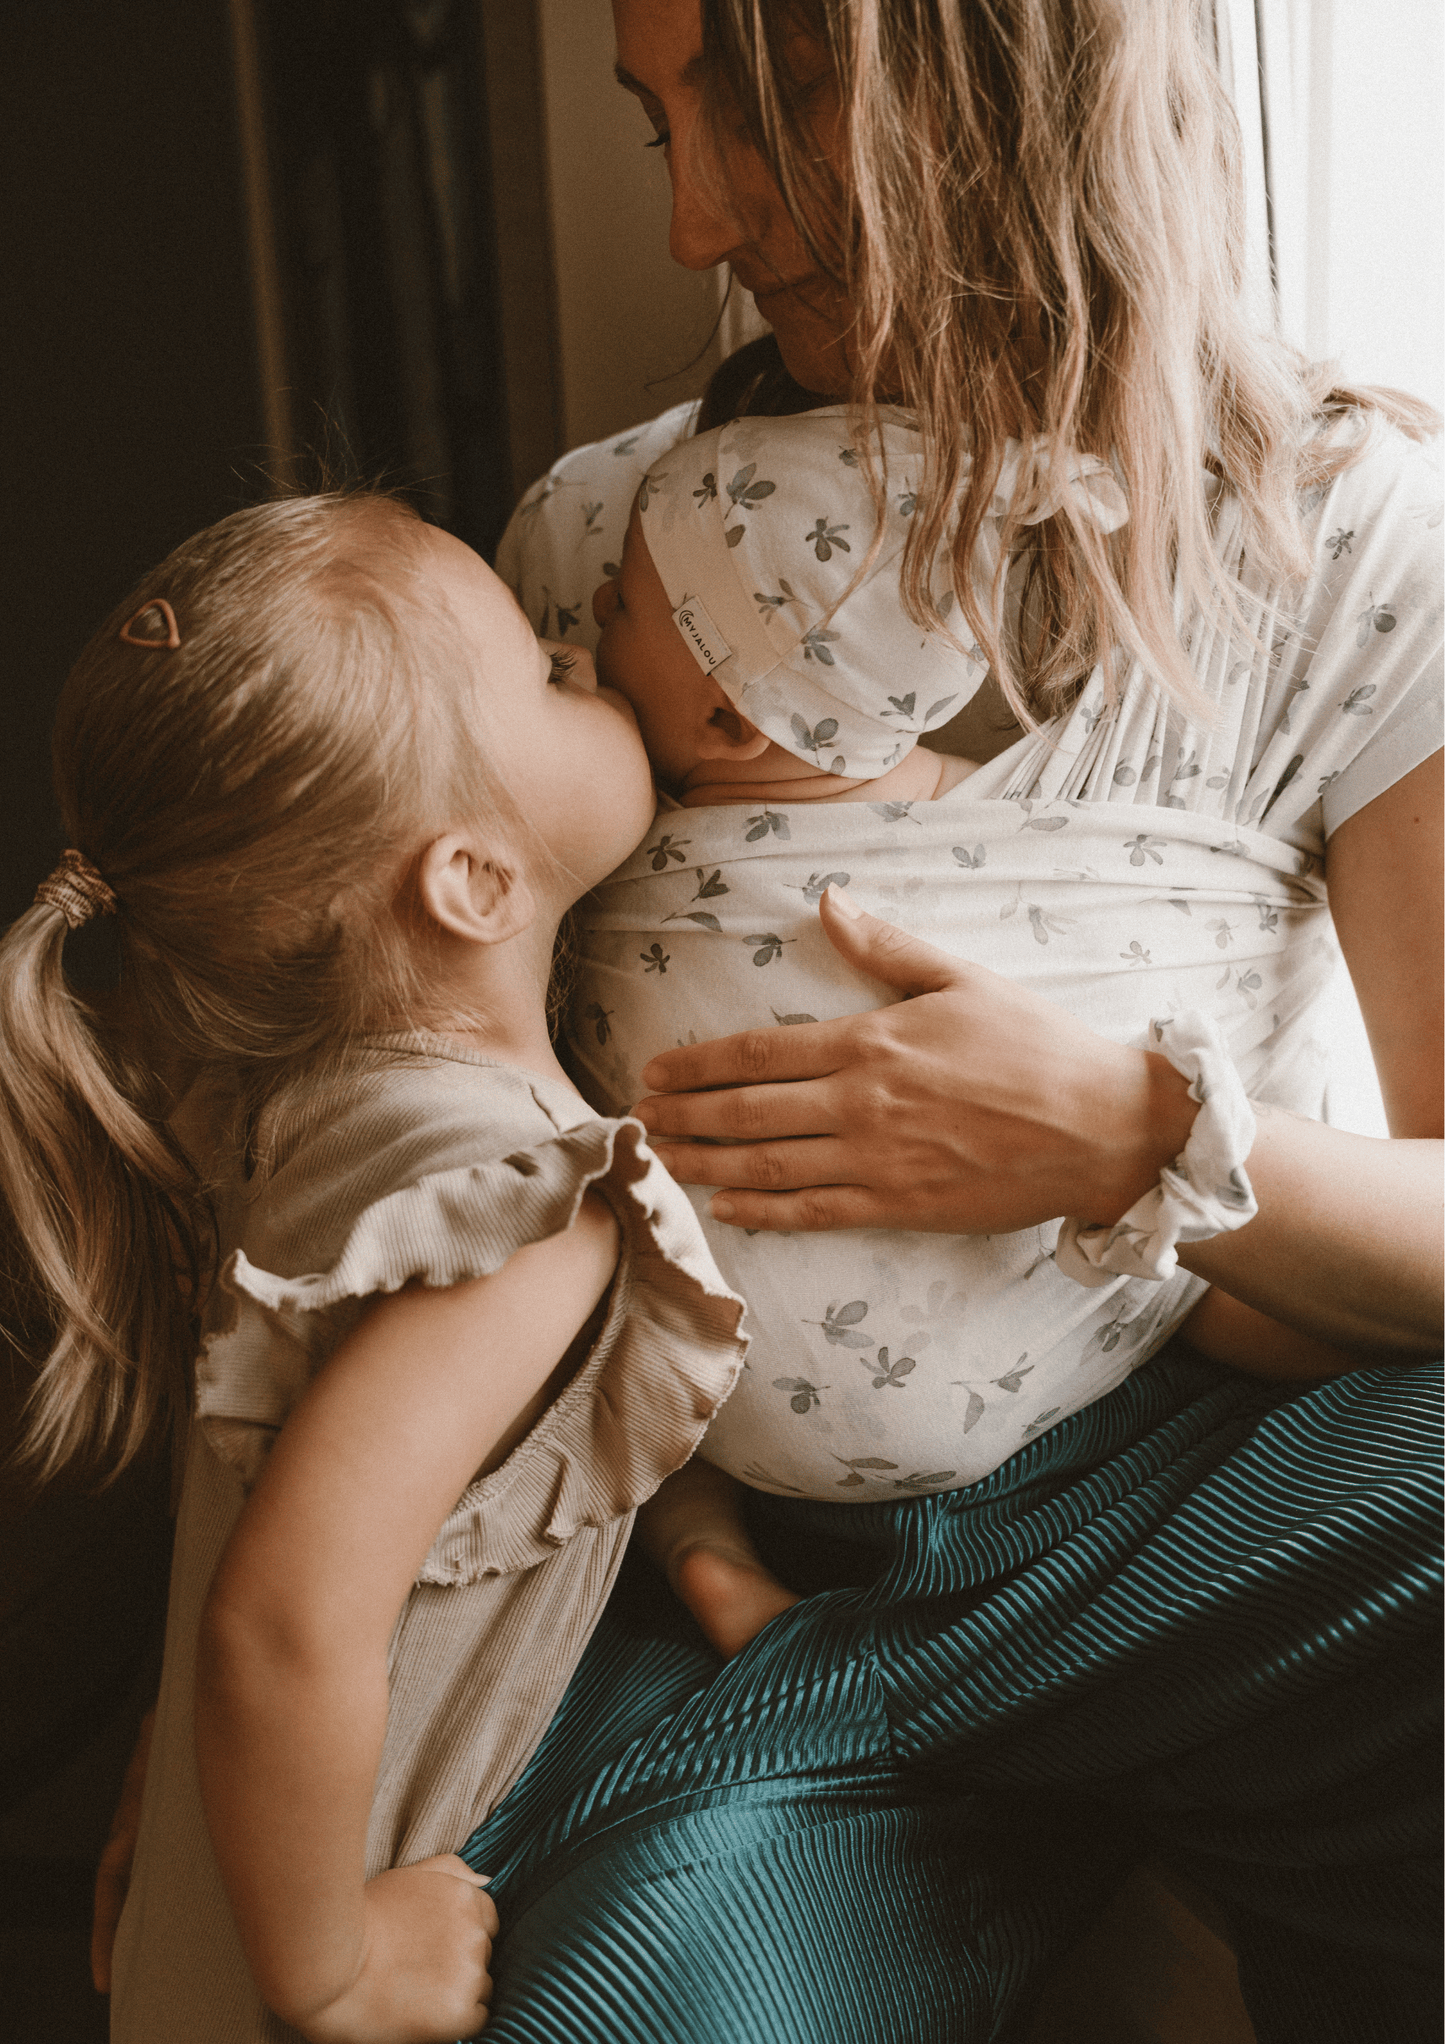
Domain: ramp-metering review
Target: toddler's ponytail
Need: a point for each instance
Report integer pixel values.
(107, 1207)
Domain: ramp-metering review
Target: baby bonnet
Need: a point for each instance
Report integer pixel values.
(759, 530)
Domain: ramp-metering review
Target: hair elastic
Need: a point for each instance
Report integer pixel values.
(157, 627)
(77, 890)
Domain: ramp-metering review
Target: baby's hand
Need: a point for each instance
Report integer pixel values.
(423, 1979)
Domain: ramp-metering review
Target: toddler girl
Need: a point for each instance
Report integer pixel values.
(453, 1326)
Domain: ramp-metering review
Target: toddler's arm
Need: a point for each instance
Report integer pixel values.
(693, 1529)
(291, 1695)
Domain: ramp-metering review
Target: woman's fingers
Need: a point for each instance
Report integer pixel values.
(743, 1114)
(810, 1050)
(975, 1106)
(770, 1167)
(884, 951)
(807, 1050)
(811, 1211)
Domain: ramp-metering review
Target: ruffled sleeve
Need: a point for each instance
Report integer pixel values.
(668, 1354)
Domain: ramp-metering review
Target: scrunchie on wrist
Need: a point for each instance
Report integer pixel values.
(1204, 1193)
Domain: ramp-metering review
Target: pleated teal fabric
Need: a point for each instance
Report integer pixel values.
(1198, 1621)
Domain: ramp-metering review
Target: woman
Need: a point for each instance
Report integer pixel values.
(1019, 218)
(1193, 1622)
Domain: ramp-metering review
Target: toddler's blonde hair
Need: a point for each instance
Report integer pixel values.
(253, 799)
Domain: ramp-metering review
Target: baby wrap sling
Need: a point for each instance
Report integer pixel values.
(1130, 862)
(883, 1361)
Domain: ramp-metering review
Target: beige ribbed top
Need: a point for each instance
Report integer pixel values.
(420, 1161)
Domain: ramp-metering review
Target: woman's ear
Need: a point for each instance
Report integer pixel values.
(469, 892)
(728, 735)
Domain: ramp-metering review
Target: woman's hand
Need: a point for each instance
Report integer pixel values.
(112, 1876)
(973, 1107)
(423, 1980)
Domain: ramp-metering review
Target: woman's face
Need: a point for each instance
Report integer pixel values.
(659, 58)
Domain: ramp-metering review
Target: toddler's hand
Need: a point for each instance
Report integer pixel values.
(423, 1978)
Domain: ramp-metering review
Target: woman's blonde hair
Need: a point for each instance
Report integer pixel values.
(1035, 209)
(252, 798)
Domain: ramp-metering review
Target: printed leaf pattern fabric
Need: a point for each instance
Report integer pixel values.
(920, 1352)
(1125, 862)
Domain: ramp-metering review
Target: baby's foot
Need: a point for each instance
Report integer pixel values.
(730, 1594)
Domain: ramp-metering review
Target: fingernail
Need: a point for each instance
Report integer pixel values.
(721, 1209)
(843, 901)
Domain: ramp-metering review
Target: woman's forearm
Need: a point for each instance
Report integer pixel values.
(1347, 1243)
(287, 1740)
(974, 1106)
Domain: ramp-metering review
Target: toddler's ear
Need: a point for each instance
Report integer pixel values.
(729, 735)
(469, 892)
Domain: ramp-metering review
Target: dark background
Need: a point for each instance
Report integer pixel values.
(247, 243)
(218, 279)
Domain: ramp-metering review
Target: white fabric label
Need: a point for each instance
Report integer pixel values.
(709, 647)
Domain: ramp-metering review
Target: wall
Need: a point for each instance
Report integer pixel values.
(132, 407)
(630, 321)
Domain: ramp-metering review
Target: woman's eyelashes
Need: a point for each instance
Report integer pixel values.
(562, 664)
(659, 141)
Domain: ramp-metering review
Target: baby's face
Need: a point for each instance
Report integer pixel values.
(645, 658)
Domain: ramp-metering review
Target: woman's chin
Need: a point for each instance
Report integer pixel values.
(812, 351)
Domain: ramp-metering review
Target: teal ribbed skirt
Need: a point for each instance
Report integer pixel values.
(1198, 1621)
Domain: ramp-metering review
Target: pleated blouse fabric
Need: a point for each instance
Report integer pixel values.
(420, 1161)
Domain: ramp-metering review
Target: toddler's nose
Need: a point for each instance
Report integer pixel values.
(604, 600)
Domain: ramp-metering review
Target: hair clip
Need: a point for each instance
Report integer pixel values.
(154, 625)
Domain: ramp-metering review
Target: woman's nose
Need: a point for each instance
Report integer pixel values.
(604, 601)
(702, 233)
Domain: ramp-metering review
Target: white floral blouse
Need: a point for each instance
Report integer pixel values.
(1128, 862)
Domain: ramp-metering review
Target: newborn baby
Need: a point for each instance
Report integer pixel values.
(662, 656)
(758, 628)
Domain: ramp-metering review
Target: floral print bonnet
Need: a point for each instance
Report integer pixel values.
(766, 537)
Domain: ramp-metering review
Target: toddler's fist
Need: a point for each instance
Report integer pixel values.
(424, 1977)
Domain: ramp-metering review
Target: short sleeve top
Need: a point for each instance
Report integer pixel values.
(419, 1160)
(1314, 702)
